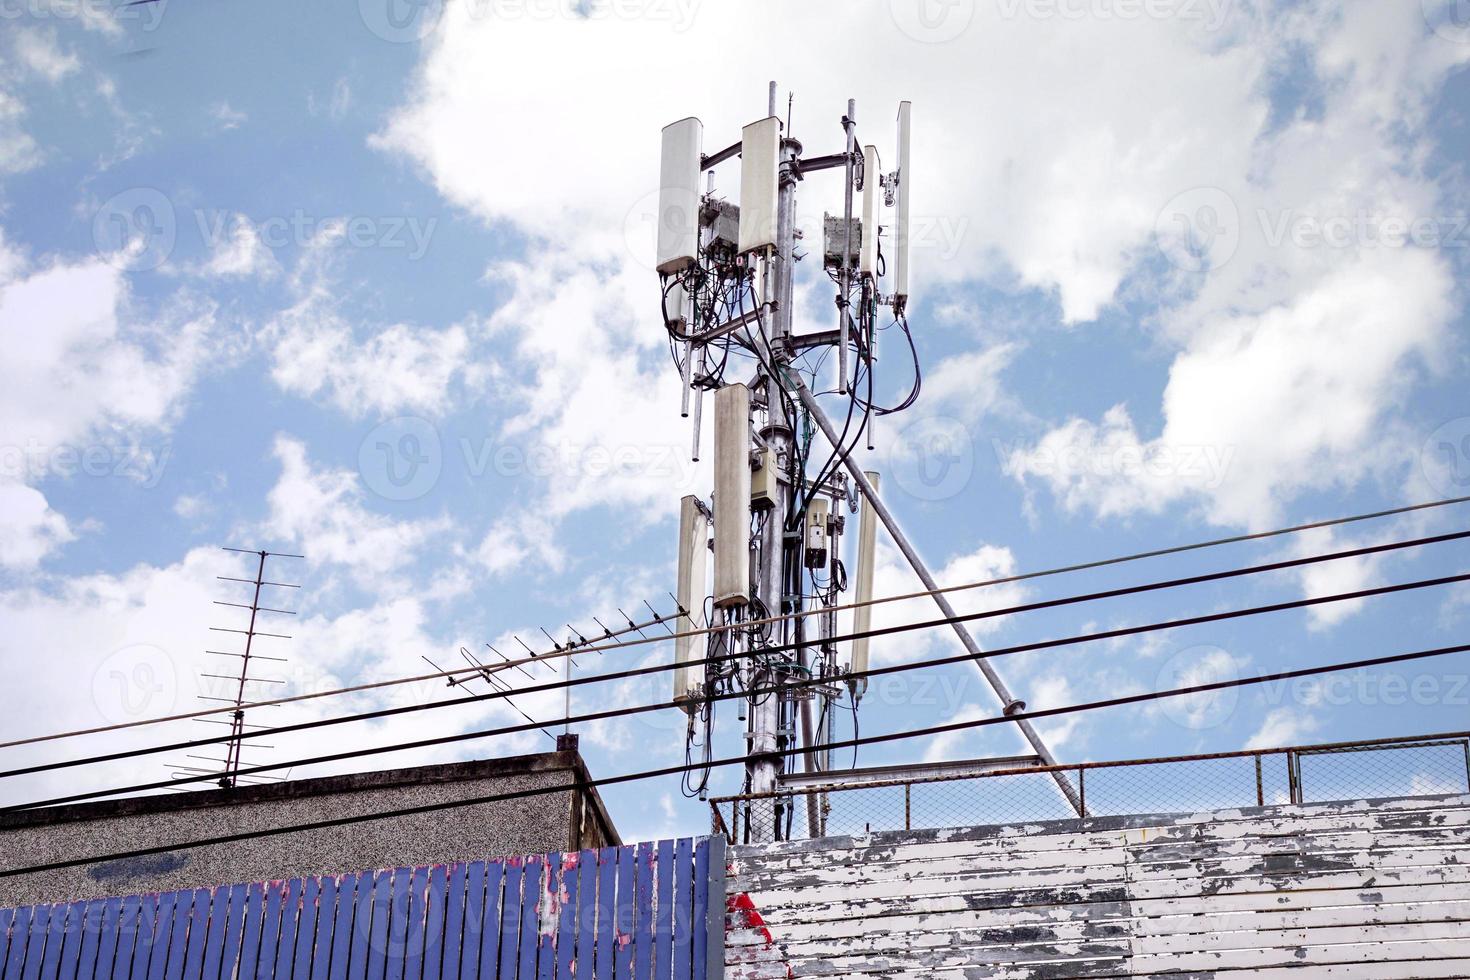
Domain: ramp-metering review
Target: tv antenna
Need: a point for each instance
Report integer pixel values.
(249, 656)
(727, 272)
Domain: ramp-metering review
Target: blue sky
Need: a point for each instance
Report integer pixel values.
(1227, 238)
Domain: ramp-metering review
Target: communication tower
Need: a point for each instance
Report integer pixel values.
(773, 530)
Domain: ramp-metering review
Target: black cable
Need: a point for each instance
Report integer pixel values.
(752, 692)
(560, 684)
(1004, 580)
(739, 760)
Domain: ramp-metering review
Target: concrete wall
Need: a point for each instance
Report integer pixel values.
(1376, 890)
(555, 821)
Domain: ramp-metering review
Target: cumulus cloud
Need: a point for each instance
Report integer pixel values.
(323, 510)
(1259, 408)
(318, 351)
(82, 391)
(1283, 726)
(39, 52)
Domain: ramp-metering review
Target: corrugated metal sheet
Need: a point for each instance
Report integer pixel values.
(625, 913)
(1358, 890)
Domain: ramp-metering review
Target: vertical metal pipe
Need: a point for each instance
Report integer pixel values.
(698, 404)
(764, 758)
(1009, 702)
(844, 282)
(685, 371)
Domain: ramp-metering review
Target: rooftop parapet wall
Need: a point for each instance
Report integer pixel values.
(550, 821)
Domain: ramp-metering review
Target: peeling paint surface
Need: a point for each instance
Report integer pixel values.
(1368, 890)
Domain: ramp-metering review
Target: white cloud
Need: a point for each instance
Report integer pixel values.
(128, 646)
(614, 433)
(513, 542)
(967, 386)
(1114, 112)
(952, 746)
(322, 511)
(227, 117)
(334, 106)
(1334, 577)
(86, 377)
(237, 251)
(1121, 116)
(29, 528)
(1298, 349)
(1283, 727)
(38, 51)
(19, 151)
(316, 352)
(893, 576)
(1261, 407)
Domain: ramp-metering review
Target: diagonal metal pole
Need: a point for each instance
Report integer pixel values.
(1008, 701)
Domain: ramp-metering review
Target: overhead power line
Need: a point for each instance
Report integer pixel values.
(659, 668)
(928, 732)
(595, 647)
(602, 678)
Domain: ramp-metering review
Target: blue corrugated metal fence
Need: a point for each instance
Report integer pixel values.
(640, 912)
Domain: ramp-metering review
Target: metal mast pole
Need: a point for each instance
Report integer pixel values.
(764, 753)
(1009, 702)
(237, 719)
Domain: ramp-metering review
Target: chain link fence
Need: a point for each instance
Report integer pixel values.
(853, 804)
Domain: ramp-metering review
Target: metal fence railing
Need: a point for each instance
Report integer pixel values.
(1403, 767)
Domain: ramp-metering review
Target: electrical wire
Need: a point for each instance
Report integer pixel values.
(659, 668)
(922, 593)
(583, 785)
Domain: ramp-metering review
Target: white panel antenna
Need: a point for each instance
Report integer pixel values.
(872, 200)
(901, 214)
(678, 196)
(760, 183)
(693, 590)
(862, 616)
(732, 496)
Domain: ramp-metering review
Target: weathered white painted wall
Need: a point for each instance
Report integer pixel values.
(1357, 890)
